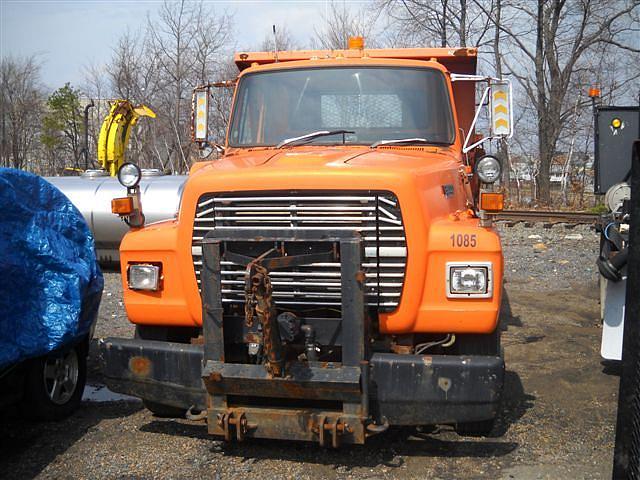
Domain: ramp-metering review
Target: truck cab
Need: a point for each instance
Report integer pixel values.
(335, 271)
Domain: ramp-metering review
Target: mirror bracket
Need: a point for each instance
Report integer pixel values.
(498, 94)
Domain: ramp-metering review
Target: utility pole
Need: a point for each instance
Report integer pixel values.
(85, 148)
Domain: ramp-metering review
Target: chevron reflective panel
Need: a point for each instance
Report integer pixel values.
(500, 109)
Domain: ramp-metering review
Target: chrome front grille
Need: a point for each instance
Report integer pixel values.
(375, 214)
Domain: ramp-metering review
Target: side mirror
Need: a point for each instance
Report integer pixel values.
(497, 94)
(200, 115)
(200, 118)
(205, 149)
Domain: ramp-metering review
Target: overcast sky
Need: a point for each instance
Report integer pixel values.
(70, 34)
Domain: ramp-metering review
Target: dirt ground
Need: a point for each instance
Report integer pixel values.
(557, 418)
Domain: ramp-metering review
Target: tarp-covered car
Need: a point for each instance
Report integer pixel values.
(50, 291)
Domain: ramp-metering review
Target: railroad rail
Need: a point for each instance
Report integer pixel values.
(547, 216)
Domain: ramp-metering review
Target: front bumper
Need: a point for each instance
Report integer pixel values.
(164, 372)
(424, 390)
(404, 389)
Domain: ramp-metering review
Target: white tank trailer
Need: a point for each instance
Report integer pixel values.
(92, 192)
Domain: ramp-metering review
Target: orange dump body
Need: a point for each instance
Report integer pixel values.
(429, 182)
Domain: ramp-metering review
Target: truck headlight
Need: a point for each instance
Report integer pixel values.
(129, 175)
(469, 280)
(488, 169)
(143, 276)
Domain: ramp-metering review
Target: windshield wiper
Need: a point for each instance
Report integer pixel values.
(406, 140)
(310, 136)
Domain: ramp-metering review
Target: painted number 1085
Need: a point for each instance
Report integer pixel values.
(464, 240)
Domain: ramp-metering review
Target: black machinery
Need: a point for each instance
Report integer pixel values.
(616, 128)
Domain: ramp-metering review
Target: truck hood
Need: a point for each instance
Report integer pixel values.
(426, 182)
(327, 159)
(427, 175)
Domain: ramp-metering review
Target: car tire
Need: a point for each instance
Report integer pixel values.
(54, 384)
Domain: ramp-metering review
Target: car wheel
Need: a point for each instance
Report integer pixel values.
(54, 384)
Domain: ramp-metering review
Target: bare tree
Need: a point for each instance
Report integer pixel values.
(132, 73)
(96, 86)
(220, 104)
(213, 35)
(170, 42)
(547, 45)
(423, 19)
(283, 39)
(503, 146)
(186, 43)
(21, 110)
(439, 22)
(547, 55)
(341, 22)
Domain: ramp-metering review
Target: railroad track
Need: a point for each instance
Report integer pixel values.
(545, 216)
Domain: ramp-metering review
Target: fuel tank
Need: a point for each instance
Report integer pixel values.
(92, 192)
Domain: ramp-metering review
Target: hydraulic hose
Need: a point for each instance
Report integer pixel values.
(611, 268)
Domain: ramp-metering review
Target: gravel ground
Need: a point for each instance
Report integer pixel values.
(113, 320)
(559, 256)
(557, 419)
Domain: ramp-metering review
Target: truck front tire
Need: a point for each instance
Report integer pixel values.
(475, 429)
(163, 411)
(473, 344)
(468, 344)
(163, 334)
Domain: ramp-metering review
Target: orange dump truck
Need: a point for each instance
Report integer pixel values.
(335, 270)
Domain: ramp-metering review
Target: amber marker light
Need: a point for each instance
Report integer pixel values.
(122, 206)
(356, 43)
(594, 92)
(492, 201)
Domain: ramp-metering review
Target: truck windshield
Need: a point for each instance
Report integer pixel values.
(376, 103)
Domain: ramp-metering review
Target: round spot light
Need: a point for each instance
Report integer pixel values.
(488, 169)
(129, 175)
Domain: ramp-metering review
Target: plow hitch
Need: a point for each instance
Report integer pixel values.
(236, 420)
(276, 391)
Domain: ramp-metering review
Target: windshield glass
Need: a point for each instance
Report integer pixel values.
(377, 103)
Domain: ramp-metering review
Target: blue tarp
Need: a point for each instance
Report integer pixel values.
(50, 282)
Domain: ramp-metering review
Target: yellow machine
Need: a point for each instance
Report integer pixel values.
(115, 131)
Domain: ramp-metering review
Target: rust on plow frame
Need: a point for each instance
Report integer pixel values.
(346, 383)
